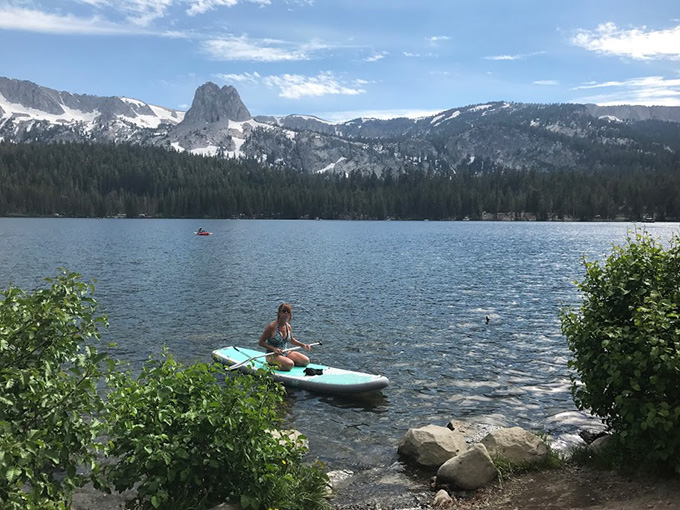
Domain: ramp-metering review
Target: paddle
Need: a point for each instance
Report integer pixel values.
(240, 363)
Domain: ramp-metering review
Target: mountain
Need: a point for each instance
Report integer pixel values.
(494, 135)
(217, 123)
(29, 112)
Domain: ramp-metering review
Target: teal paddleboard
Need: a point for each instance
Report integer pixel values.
(331, 380)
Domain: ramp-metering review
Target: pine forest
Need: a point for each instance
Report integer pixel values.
(105, 180)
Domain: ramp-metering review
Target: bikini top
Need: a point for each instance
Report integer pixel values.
(277, 340)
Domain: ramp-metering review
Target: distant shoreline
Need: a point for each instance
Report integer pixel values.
(504, 218)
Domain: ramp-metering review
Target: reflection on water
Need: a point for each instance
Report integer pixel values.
(374, 401)
(404, 299)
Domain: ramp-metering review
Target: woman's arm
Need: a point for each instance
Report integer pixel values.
(294, 341)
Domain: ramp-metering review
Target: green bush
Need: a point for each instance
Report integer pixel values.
(180, 437)
(625, 340)
(49, 371)
(185, 439)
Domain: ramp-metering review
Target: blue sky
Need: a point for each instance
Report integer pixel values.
(349, 58)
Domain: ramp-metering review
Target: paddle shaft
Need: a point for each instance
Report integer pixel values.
(268, 353)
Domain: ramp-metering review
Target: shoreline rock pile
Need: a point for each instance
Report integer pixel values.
(464, 464)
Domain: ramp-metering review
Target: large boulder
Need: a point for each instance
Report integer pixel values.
(516, 446)
(470, 470)
(432, 445)
(601, 444)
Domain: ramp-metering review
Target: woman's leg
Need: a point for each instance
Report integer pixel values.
(298, 358)
(283, 362)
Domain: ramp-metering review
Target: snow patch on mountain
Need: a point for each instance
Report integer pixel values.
(237, 132)
(160, 114)
(143, 116)
(331, 166)
(610, 118)
(210, 150)
(480, 107)
(22, 112)
(443, 118)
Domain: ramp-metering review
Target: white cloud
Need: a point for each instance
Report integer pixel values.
(648, 91)
(295, 86)
(15, 18)
(503, 57)
(241, 78)
(243, 48)
(637, 43)
(143, 12)
(96, 3)
(546, 82)
(652, 82)
(137, 12)
(520, 56)
(377, 56)
(437, 38)
(202, 6)
(260, 50)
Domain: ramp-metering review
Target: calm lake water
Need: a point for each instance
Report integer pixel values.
(403, 299)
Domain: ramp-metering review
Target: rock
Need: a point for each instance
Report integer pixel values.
(432, 445)
(470, 470)
(213, 104)
(459, 426)
(516, 445)
(474, 432)
(589, 436)
(600, 444)
(339, 477)
(442, 500)
(87, 498)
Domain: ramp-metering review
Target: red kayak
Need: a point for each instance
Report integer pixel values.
(203, 233)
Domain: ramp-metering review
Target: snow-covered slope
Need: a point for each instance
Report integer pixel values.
(29, 111)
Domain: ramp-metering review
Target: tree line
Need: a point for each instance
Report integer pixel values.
(102, 180)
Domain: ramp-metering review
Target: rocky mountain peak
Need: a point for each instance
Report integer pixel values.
(213, 104)
(31, 95)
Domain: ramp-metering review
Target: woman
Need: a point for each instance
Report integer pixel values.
(275, 338)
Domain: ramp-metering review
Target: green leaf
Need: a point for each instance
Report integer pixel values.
(12, 474)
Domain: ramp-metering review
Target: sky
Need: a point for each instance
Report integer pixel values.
(344, 59)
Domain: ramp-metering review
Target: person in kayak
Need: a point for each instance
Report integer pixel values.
(276, 337)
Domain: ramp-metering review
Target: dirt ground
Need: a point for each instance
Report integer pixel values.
(570, 487)
(574, 487)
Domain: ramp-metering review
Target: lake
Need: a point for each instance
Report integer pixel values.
(404, 299)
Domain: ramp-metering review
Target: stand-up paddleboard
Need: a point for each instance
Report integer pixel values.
(330, 380)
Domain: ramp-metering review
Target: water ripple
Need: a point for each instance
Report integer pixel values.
(404, 299)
